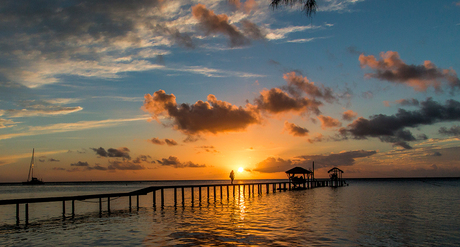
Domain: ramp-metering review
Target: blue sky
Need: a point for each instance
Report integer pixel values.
(145, 90)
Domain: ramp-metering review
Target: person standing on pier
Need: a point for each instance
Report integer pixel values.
(232, 176)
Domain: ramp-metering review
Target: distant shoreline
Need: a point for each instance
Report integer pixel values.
(242, 180)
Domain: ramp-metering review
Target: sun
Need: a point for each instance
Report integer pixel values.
(241, 169)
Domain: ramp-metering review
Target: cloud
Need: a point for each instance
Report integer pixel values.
(453, 131)
(276, 101)
(53, 160)
(6, 123)
(272, 165)
(213, 116)
(208, 149)
(295, 130)
(392, 128)
(174, 162)
(317, 138)
(80, 164)
(349, 115)
(391, 68)
(347, 158)
(124, 166)
(329, 122)
(41, 112)
(157, 141)
(212, 23)
(170, 142)
(66, 127)
(298, 84)
(404, 102)
(122, 152)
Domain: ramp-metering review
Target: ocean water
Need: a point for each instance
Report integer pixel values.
(368, 212)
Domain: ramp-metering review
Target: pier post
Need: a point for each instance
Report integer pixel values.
(63, 210)
(183, 197)
(162, 198)
(199, 194)
(214, 193)
(108, 205)
(137, 202)
(274, 187)
(100, 206)
(17, 214)
(221, 194)
(253, 191)
(228, 193)
(73, 209)
(27, 213)
(239, 190)
(233, 190)
(192, 190)
(207, 189)
(267, 188)
(154, 192)
(249, 190)
(175, 196)
(129, 203)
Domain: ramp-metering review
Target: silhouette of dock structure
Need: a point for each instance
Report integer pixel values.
(211, 190)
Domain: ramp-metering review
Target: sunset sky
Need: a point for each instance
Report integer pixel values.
(165, 90)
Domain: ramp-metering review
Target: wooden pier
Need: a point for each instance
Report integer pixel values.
(217, 191)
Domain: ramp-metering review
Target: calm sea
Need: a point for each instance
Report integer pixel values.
(368, 212)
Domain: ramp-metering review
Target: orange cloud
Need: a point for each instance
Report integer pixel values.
(349, 115)
(212, 116)
(295, 130)
(391, 68)
(213, 23)
(298, 84)
(329, 122)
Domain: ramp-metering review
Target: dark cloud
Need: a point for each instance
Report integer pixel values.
(453, 131)
(212, 23)
(121, 165)
(142, 158)
(349, 115)
(122, 152)
(391, 68)
(213, 116)
(331, 160)
(174, 162)
(329, 122)
(276, 101)
(252, 30)
(157, 141)
(170, 142)
(80, 163)
(392, 128)
(272, 165)
(53, 160)
(179, 38)
(436, 154)
(294, 129)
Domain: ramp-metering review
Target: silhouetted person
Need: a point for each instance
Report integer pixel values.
(232, 176)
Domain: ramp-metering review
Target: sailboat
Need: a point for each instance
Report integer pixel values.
(31, 180)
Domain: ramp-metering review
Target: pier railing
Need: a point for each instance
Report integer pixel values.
(217, 190)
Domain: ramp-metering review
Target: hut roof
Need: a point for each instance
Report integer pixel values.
(335, 168)
(298, 170)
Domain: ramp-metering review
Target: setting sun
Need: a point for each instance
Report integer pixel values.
(241, 169)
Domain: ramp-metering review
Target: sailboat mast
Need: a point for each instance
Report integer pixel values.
(31, 168)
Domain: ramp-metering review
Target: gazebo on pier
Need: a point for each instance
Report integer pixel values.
(336, 177)
(306, 177)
